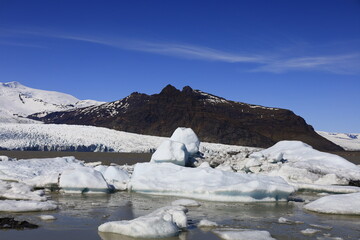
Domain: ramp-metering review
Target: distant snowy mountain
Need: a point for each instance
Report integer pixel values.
(18, 101)
(348, 141)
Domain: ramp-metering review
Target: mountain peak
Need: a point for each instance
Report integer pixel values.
(13, 84)
(169, 89)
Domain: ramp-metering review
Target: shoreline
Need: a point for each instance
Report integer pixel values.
(122, 158)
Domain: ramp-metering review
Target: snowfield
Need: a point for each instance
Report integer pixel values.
(348, 141)
(18, 101)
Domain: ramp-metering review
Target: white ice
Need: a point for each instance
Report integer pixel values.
(185, 203)
(207, 183)
(83, 180)
(204, 223)
(26, 206)
(243, 234)
(188, 137)
(163, 222)
(310, 231)
(298, 162)
(115, 176)
(170, 151)
(47, 217)
(336, 204)
(20, 191)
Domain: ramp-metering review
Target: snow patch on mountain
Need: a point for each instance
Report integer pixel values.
(348, 141)
(18, 101)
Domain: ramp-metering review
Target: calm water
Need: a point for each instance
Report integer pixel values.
(80, 215)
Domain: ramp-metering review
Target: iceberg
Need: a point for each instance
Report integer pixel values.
(188, 137)
(170, 151)
(336, 204)
(114, 176)
(163, 222)
(298, 162)
(20, 191)
(83, 180)
(207, 183)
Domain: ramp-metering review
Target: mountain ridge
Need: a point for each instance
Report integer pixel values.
(213, 118)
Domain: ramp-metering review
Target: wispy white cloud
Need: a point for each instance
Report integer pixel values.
(277, 62)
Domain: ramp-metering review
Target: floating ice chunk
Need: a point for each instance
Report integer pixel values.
(163, 222)
(170, 151)
(326, 188)
(325, 227)
(47, 217)
(117, 177)
(310, 231)
(207, 183)
(26, 206)
(83, 180)
(20, 191)
(188, 137)
(207, 224)
(45, 181)
(242, 234)
(185, 203)
(337, 204)
(307, 165)
(287, 221)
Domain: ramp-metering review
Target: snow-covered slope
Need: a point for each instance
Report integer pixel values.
(348, 141)
(17, 100)
(57, 137)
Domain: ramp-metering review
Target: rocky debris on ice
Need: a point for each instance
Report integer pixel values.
(188, 137)
(163, 222)
(204, 223)
(207, 183)
(170, 151)
(336, 204)
(83, 180)
(26, 206)
(115, 176)
(20, 191)
(186, 203)
(243, 234)
(11, 223)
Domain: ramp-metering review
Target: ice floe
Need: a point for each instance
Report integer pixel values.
(185, 203)
(243, 234)
(83, 180)
(26, 206)
(336, 204)
(310, 231)
(207, 183)
(20, 191)
(47, 217)
(204, 223)
(163, 222)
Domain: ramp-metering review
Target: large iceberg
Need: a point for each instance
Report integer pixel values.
(164, 222)
(188, 137)
(207, 183)
(298, 162)
(170, 151)
(336, 204)
(115, 176)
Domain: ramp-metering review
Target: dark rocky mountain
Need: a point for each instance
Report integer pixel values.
(213, 118)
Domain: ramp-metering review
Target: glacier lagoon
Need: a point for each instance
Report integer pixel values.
(79, 216)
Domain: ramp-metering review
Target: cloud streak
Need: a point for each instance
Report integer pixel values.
(276, 63)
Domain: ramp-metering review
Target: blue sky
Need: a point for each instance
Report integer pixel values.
(300, 55)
